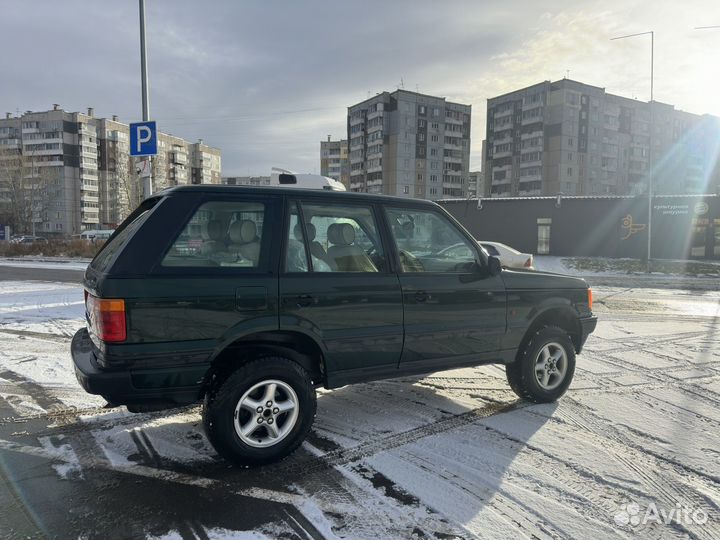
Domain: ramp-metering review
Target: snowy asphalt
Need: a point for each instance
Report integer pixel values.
(449, 455)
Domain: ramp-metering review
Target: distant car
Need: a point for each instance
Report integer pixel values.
(509, 257)
(27, 239)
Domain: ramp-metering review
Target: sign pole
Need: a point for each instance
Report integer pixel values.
(147, 181)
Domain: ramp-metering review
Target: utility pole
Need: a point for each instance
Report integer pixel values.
(147, 182)
(651, 172)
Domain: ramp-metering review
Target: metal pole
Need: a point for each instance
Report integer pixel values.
(650, 156)
(147, 184)
(650, 140)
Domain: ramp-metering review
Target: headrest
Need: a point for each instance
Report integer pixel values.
(311, 232)
(213, 229)
(341, 234)
(242, 232)
(309, 227)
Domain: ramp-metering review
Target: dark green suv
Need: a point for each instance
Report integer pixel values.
(249, 298)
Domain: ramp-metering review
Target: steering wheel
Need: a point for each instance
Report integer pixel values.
(410, 263)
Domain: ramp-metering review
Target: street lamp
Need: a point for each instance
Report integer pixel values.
(650, 156)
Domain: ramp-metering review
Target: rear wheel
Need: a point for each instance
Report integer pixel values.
(545, 367)
(261, 413)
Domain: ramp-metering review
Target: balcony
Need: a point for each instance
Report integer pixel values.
(531, 120)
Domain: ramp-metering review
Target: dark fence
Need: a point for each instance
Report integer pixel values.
(684, 227)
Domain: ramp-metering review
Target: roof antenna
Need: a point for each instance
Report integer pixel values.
(402, 84)
(567, 73)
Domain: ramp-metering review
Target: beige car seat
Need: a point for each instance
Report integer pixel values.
(244, 241)
(343, 253)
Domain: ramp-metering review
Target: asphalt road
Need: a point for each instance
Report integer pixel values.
(16, 273)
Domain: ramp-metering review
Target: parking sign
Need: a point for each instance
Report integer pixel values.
(143, 139)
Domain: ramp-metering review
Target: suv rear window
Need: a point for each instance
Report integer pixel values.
(220, 233)
(106, 256)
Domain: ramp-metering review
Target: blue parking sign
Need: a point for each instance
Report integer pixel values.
(143, 139)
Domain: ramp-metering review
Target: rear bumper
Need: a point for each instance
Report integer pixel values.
(171, 386)
(587, 327)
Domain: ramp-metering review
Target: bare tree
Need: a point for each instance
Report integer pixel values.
(126, 189)
(24, 184)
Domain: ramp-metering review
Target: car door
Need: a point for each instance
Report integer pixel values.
(336, 285)
(454, 308)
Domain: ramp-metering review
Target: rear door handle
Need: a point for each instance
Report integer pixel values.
(421, 296)
(304, 300)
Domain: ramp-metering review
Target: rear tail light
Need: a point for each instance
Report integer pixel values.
(528, 263)
(589, 298)
(106, 318)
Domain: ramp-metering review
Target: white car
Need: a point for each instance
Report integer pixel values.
(509, 257)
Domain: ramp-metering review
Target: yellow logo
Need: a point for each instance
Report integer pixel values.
(630, 227)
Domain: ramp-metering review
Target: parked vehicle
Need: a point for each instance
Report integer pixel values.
(96, 235)
(249, 298)
(29, 239)
(284, 178)
(509, 257)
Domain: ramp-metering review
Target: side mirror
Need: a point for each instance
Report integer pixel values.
(494, 265)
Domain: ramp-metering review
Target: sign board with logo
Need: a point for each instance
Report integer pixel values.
(4, 233)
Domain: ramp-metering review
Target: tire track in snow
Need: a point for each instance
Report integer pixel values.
(635, 457)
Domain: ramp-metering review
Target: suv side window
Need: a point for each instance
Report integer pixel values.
(341, 238)
(427, 241)
(220, 233)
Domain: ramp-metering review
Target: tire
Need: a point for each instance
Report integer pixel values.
(251, 384)
(550, 342)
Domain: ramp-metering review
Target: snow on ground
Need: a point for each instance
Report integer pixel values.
(452, 453)
(55, 263)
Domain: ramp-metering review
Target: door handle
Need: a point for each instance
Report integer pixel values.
(421, 296)
(304, 300)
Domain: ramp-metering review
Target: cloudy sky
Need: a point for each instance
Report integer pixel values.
(267, 80)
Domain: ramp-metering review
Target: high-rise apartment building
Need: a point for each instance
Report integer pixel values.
(576, 139)
(476, 184)
(334, 160)
(409, 144)
(73, 171)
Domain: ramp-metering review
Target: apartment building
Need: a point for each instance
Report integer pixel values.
(576, 139)
(77, 171)
(409, 144)
(334, 161)
(476, 184)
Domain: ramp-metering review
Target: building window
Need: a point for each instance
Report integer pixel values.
(406, 189)
(433, 178)
(420, 177)
(434, 138)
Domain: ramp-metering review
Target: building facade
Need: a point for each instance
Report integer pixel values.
(409, 144)
(334, 161)
(576, 139)
(76, 173)
(476, 184)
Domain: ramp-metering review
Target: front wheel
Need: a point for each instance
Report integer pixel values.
(545, 367)
(261, 413)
